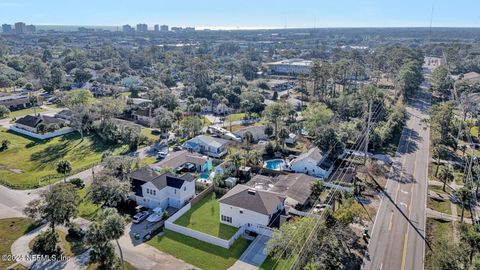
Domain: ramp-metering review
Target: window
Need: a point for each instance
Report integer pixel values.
(175, 191)
(226, 219)
(184, 188)
(154, 192)
(241, 212)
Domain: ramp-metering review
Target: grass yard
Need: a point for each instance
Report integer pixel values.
(205, 217)
(148, 133)
(86, 209)
(439, 205)
(30, 163)
(199, 253)
(474, 131)
(272, 264)
(437, 230)
(235, 117)
(206, 122)
(10, 230)
(24, 112)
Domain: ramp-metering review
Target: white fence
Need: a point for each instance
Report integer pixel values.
(42, 136)
(200, 235)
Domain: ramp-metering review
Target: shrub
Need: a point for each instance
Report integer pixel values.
(46, 244)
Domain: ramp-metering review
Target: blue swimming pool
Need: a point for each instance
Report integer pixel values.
(204, 175)
(274, 164)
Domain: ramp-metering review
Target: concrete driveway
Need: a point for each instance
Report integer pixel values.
(253, 257)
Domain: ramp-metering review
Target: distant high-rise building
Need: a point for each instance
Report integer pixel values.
(127, 29)
(164, 27)
(30, 29)
(156, 28)
(20, 28)
(176, 29)
(6, 28)
(142, 27)
(190, 29)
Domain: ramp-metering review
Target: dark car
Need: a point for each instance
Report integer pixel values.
(156, 132)
(77, 232)
(140, 216)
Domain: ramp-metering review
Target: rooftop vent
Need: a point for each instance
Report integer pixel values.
(252, 191)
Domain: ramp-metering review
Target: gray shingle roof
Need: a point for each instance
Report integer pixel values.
(264, 202)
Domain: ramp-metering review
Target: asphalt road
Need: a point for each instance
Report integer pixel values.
(398, 234)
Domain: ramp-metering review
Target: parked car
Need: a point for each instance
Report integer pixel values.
(177, 148)
(156, 132)
(139, 217)
(319, 208)
(162, 154)
(77, 232)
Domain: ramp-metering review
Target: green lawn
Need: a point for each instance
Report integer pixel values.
(199, 253)
(86, 209)
(205, 217)
(29, 163)
(440, 206)
(235, 117)
(148, 133)
(474, 131)
(10, 230)
(272, 264)
(24, 112)
(205, 121)
(437, 230)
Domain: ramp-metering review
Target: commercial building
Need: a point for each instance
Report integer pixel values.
(156, 28)
(7, 28)
(128, 29)
(290, 67)
(20, 28)
(164, 27)
(142, 28)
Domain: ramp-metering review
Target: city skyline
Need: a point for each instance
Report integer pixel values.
(215, 14)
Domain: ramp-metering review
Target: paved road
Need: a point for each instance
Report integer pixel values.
(398, 234)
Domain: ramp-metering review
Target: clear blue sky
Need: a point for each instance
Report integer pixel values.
(245, 13)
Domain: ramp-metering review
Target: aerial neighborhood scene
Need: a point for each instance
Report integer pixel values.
(216, 135)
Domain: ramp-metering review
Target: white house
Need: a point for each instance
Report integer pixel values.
(256, 209)
(32, 122)
(314, 162)
(258, 133)
(207, 145)
(166, 190)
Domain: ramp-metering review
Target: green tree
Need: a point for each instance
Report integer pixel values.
(317, 188)
(316, 115)
(236, 160)
(441, 82)
(57, 205)
(466, 197)
(107, 190)
(445, 176)
(64, 167)
(440, 151)
(4, 111)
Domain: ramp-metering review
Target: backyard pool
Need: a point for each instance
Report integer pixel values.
(275, 164)
(204, 175)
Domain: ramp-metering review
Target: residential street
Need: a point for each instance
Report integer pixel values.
(398, 234)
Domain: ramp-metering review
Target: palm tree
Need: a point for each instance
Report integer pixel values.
(251, 158)
(466, 197)
(439, 151)
(445, 176)
(114, 225)
(236, 159)
(247, 140)
(64, 167)
(282, 136)
(33, 100)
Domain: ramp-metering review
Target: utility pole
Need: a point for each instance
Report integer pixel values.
(368, 131)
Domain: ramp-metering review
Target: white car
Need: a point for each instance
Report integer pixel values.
(140, 216)
(319, 207)
(162, 154)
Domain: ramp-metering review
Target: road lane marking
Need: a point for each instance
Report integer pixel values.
(390, 224)
(405, 241)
